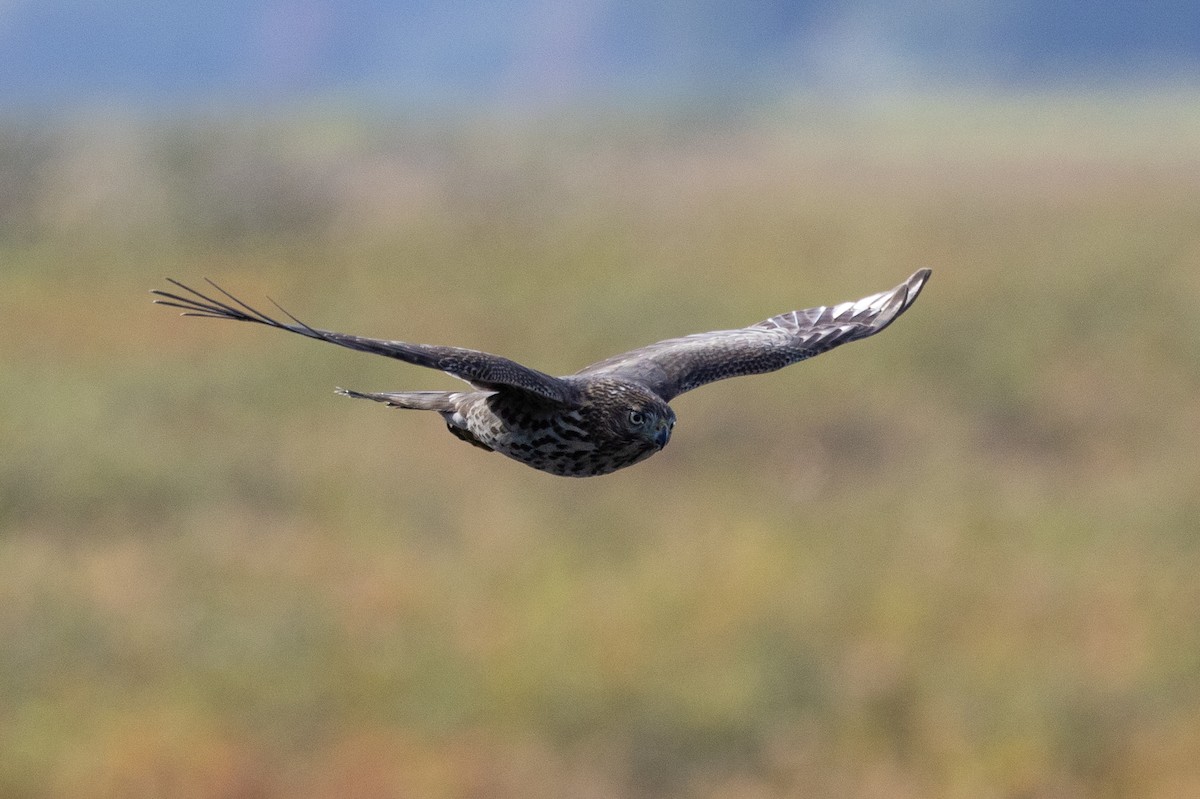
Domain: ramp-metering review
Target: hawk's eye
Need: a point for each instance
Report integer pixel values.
(637, 418)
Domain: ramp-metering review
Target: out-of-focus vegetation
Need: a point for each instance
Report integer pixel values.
(957, 560)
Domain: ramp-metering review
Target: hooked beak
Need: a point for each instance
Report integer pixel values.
(662, 434)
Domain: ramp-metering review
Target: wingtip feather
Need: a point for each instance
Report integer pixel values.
(916, 282)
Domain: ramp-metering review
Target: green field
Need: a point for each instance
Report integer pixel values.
(961, 559)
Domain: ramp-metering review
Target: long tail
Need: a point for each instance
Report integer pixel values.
(443, 401)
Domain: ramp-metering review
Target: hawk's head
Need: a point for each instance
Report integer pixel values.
(631, 413)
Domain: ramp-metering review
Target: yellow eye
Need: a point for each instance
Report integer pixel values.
(637, 418)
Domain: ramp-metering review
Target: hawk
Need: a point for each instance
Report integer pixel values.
(604, 417)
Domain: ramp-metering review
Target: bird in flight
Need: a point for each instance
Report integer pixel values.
(604, 417)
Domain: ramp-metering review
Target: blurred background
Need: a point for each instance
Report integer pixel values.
(958, 560)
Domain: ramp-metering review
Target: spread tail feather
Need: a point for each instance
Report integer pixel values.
(414, 400)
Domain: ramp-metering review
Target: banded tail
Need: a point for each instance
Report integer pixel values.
(442, 401)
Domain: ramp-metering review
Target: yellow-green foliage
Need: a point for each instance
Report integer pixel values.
(957, 560)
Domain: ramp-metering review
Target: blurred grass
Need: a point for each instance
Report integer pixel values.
(958, 560)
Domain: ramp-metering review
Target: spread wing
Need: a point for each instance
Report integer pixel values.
(482, 370)
(676, 365)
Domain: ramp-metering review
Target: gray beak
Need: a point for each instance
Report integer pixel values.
(662, 435)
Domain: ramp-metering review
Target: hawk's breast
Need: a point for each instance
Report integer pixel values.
(559, 441)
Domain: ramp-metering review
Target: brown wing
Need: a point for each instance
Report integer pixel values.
(480, 369)
(676, 365)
